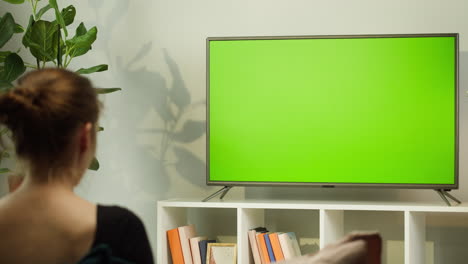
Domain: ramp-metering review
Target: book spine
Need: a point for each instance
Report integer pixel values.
(254, 247)
(185, 233)
(275, 244)
(202, 245)
(286, 246)
(196, 258)
(175, 246)
(263, 249)
(269, 248)
(294, 243)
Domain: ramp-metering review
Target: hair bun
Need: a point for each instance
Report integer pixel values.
(44, 112)
(31, 98)
(17, 106)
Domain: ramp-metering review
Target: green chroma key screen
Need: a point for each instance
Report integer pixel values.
(367, 110)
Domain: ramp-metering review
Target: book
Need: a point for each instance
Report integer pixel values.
(254, 242)
(254, 247)
(175, 246)
(195, 249)
(203, 244)
(269, 248)
(289, 245)
(185, 233)
(286, 246)
(276, 246)
(262, 248)
(295, 243)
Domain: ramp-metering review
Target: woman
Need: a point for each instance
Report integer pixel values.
(52, 115)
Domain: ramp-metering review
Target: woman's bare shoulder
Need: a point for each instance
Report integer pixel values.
(42, 228)
(6, 208)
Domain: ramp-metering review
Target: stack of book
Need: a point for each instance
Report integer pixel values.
(186, 247)
(268, 247)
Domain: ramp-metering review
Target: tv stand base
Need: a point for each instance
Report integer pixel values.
(223, 193)
(444, 194)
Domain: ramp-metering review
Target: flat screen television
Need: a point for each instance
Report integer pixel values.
(348, 110)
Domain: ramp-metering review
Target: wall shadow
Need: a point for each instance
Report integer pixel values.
(144, 91)
(172, 103)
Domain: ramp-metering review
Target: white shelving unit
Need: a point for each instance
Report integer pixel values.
(327, 221)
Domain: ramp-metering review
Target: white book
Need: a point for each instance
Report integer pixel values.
(185, 233)
(295, 243)
(286, 246)
(195, 248)
(289, 245)
(254, 246)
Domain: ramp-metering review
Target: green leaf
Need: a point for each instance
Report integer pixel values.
(3, 55)
(42, 11)
(80, 44)
(94, 165)
(58, 16)
(98, 68)
(7, 28)
(81, 30)
(43, 41)
(27, 36)
(68, 14)
(4, 170)
(62, 52)
(107, 90)
(16, 2)
(19, 28)
(100, 129)
(14, 67)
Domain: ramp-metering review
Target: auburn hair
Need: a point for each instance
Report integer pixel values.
(44, 111)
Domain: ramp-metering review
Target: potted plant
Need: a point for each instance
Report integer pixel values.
(50, 43)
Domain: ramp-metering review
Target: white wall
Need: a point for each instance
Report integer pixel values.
(156, 53)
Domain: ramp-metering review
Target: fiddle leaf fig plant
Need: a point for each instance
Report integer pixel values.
(50, 43)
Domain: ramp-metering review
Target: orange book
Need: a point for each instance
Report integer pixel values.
(175, 246)
(275, 244)
(263, 248)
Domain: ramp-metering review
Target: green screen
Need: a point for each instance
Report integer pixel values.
(375, 110)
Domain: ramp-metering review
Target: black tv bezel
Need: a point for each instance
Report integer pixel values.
(336, 184)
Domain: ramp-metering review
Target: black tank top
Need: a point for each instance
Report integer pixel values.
(124, 233)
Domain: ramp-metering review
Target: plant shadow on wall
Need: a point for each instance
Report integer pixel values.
(175, 130)
(171, 132)
(178, 131)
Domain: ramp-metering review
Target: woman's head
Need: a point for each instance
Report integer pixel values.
(45, 112)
